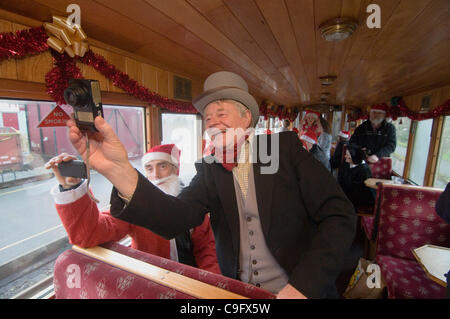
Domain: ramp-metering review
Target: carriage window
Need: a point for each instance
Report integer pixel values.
(337, 120)
(402, 126)
(29, 219)
(184, 130)
(442, 177)
(422, 138)
(261, 126)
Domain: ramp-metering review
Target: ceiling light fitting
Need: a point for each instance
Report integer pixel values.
(338, 29)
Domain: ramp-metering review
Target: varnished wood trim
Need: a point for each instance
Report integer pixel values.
(409, 150)
(159, 275)
(436, 134)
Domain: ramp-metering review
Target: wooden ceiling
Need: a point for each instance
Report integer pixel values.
(275, 44)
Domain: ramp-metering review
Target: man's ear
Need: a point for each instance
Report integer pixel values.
(248, 118)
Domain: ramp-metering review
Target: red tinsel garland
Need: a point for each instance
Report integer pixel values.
(23, 43)
(57, 79)
(401, 110)
(132, 87)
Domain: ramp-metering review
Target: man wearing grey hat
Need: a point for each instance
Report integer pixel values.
(286, 230)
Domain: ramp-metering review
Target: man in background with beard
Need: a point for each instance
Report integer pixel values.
(375, 135)
(87, 227)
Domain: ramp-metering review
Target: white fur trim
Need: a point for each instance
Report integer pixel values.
(308, 139)
(68, 197)
(376, 110)
(161, 156)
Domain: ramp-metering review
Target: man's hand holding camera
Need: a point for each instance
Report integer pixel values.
(65, 182)
(106, 155)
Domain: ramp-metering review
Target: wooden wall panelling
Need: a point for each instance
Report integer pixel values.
(437, 97)
(33, 68)
(8, 68)
(150, 77)
(163, 82)
(134, 70)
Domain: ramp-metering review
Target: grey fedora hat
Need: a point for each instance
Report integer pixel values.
(226, 86)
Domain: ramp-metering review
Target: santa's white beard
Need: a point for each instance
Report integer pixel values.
(170, 185)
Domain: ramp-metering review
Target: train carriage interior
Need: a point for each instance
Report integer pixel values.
(364, 84)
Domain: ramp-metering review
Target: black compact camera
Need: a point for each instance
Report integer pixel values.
(85, 98)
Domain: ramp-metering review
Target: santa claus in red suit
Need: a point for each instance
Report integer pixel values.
(86, 226)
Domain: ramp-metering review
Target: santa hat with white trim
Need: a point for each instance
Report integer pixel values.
(313, 113)
(166, 152)
(309, 136)
(344, 134)
(379, 108)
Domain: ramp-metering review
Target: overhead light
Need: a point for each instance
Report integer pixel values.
(338, 29)
(327, 80)
(324, 96)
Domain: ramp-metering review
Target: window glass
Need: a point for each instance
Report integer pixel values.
(185, 131)
(402, 126)
(297, 121)
(261, 126)
(337, 120)
(442, 177)
(420, 151)
(28, 217)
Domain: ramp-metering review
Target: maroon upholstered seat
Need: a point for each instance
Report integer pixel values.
(99, 280)
(405, 279)
(382, 168)
(407, 221)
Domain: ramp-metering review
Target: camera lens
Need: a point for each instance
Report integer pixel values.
(76, 95)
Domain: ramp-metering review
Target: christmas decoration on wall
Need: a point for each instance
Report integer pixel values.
(65, 36)
(68, 47)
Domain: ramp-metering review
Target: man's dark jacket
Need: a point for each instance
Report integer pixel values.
(381, 142)
(307, 221)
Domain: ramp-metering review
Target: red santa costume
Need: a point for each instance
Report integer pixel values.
(86, 226)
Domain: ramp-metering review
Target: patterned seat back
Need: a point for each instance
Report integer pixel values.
(408, 220)
(382, 168)
(99, 280)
